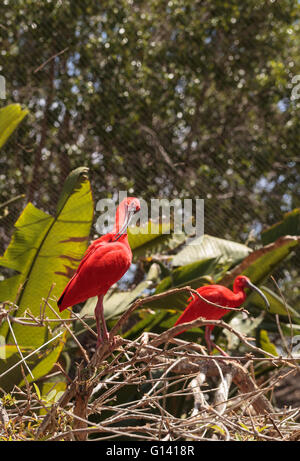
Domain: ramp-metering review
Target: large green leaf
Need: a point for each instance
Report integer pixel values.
(266, 344)
(194, 275)
(151, 238)
(155, 321)
(45, 250)
(290, 225)
(206, 247)
(197, 260)
(40, 363)
(177, 301)
(10, 117)
(9, 357)
(139, 236)
(261, 263)
(51, 392)
(277, 305)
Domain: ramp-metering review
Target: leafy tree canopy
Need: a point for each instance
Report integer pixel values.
(164, 99)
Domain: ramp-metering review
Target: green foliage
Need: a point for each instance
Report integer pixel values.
(51, 392)
(277, 304)
(168, 100)
(265, 260)
(194, 274)
(207, 246)
(43, 253)
(153, 238)
(266, 344)
(10, 117)
(290, 225)
(258, 265)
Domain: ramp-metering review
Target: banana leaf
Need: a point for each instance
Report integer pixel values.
(207, 246)
(266, 344)
(151, 238)
(277, 305)
(194, 274)
(44, 252)
(10, 117)
(261, 263)
(290, 225)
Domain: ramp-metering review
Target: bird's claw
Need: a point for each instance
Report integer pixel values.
(111, 343)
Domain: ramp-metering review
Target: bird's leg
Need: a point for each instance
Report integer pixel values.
(99, 314)
(210, 344)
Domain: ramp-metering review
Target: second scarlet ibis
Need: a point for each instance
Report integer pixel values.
(105, 261)
(221, 295)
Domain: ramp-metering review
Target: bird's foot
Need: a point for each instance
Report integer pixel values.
(106, 349)
(111, 343)
(102, 339)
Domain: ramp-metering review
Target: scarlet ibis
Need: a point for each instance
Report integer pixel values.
(105, 261)
(221, 295)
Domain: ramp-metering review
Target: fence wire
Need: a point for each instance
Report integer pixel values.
(162, 99)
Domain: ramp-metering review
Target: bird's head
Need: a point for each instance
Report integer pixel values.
(242, 282)
(127, 208)
(133, 204)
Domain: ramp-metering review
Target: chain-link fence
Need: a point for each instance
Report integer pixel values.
(178, 99)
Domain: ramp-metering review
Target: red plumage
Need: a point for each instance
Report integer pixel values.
(103, 264)
(105, 261)
(216, 294)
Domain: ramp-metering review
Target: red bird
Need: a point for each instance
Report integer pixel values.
(221, 295)
(105, 261)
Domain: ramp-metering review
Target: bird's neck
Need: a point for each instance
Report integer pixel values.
(124, 239)
(239, 296)
(120, 218)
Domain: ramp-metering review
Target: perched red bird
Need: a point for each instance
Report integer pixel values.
(105, 261)
(221, 295)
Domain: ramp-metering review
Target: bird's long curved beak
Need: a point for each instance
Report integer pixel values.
(250, 285)
(128, 218)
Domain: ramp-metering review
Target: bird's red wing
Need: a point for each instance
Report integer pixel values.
(199, 308)
(89, 251)
(100, 268)
(99, 242)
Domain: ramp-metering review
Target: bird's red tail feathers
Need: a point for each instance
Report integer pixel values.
(61, 305)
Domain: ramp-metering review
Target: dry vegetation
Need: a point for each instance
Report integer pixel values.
(222, 398)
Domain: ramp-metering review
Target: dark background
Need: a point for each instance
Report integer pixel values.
(163, 99)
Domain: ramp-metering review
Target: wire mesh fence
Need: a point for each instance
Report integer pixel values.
(182, 99)
(171, 100)
(178, 99)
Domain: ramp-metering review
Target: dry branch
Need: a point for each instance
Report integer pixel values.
(170, 368)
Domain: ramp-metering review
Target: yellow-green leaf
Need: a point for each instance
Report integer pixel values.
(45, 251)
(266, 344)
(207, 247)
(10, 117)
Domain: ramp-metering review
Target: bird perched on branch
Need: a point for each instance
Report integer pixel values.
(105, 261)
(220, 295)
